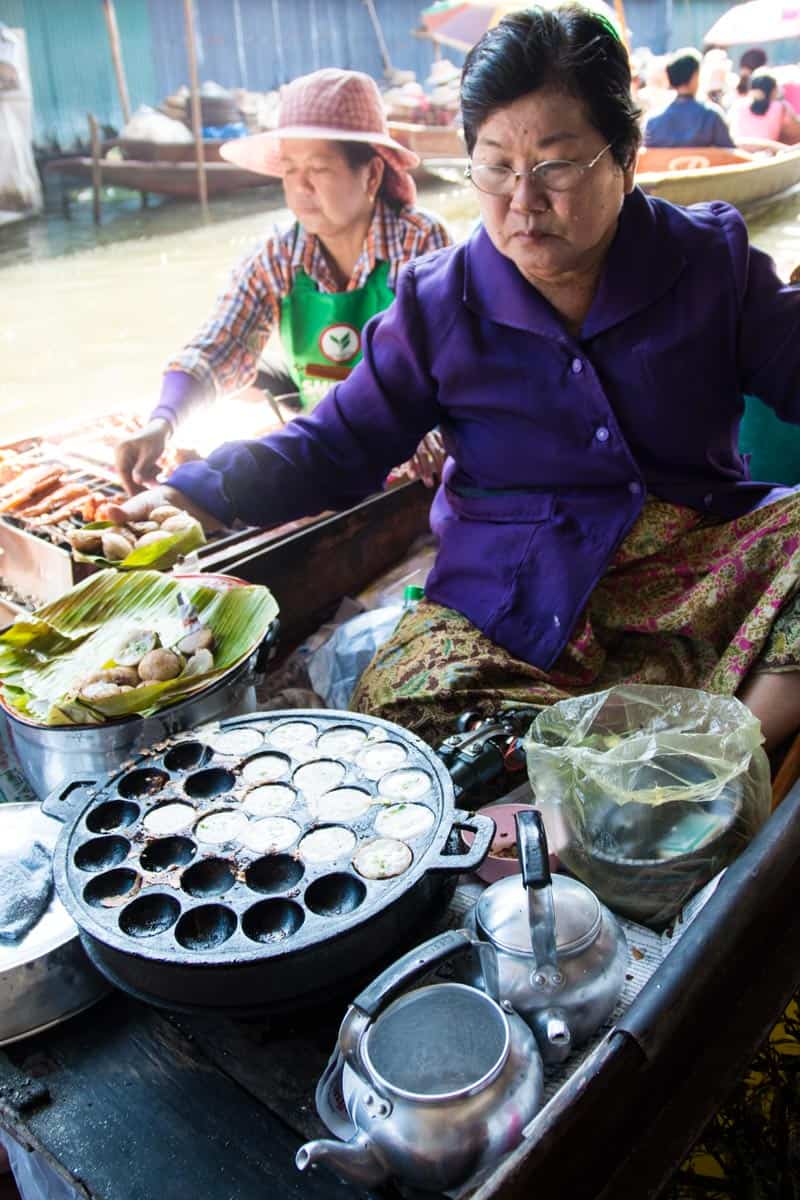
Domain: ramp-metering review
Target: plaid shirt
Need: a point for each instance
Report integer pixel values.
(224, 355)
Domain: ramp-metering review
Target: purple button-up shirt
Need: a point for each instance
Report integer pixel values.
(553, 440)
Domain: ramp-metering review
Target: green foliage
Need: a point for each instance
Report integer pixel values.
(753, 1142)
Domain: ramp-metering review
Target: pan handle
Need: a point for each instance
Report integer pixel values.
(483, 828)
(61, 802)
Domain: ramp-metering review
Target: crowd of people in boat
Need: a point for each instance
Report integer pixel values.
(689, 99)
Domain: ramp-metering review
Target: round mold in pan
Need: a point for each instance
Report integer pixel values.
(321, 903)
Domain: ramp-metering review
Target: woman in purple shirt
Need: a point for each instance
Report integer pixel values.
(584, 354)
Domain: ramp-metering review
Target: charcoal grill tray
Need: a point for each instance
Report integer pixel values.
(185, 922)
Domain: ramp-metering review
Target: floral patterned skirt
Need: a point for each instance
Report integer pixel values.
(684, 602)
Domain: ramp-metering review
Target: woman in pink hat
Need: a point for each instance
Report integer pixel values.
(318, 281)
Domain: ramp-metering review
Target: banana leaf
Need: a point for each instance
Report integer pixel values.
(158, 555)
(45, 657)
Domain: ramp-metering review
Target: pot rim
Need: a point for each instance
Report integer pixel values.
(440, 1097)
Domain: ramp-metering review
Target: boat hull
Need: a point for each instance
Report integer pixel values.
(742, 184)
(163, 178)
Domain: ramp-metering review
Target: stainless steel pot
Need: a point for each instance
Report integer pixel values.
(49, 755)
(438, 1082)
(561, 954)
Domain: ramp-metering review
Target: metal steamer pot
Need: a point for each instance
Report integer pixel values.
(438, 1082)
(188, 896)
(51, 754)
(561, 954)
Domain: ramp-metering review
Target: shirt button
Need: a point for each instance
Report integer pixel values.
(577, 366)
(708, 499)
(557, 622)
(601, 433)
(634, 487)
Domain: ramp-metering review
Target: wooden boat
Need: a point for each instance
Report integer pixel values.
(163, 178)
(743, 177)
(140, 150)
(440, 147)
(11, 216)
(167, 1084)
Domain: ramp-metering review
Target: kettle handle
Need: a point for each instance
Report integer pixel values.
(536, 879)
(532, 849)
(401, 975)
(420, 961)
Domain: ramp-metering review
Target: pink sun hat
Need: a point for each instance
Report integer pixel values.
(335, 105)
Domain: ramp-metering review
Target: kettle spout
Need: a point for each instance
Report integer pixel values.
(552, 1034)
(354, 1160)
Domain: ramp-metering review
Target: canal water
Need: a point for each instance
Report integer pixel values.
(89, 317)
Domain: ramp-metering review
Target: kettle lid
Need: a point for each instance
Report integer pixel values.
(502, 915)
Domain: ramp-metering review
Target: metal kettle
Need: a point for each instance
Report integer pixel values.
(438, 1082)
(561, 955)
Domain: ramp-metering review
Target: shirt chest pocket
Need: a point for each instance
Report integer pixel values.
(485, 541)
(501, 508)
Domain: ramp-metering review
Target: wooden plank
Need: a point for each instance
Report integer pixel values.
(197, 121)
(97, 171)
(137, 1112)
(278, 1066)
(310, 571)
(116, 55)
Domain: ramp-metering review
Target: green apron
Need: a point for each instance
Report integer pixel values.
(321, 331)
(773, 445)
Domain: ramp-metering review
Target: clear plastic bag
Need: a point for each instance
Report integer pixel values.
(34, 1177)
(652, 791)
(336, 667)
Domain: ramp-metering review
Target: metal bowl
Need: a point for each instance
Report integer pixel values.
(644, 860)
(45, 977)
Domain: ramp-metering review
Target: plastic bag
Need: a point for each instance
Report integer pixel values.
(652, 791)
(149, 125)
(336, 667)
(20, 188)
(33, 1175)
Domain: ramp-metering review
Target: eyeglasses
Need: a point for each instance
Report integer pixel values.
(557, 175)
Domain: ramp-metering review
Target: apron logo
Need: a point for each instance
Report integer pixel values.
(339, 343)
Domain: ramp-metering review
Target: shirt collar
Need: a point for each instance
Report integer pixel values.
(309, 257)
(495, 288)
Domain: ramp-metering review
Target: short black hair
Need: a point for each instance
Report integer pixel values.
(753, 59)
(765, 85)
(570, 48)
(683, 66)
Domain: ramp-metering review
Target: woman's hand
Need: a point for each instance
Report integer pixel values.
(139, 507)
(137, 456)
(426, 464)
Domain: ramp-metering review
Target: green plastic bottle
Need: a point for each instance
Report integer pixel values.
(412, 594)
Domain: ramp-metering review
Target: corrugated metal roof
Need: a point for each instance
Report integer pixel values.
(70, 62)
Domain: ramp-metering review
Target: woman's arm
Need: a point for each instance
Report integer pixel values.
(223, 356)
(790, 125)
(343, 450)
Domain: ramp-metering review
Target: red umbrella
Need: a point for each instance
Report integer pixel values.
(460, 23)
(756, 22)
